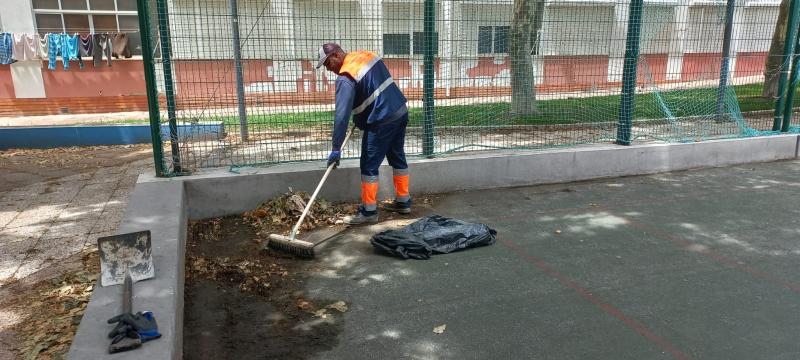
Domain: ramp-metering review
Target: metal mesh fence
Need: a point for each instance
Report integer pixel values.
(237, 77)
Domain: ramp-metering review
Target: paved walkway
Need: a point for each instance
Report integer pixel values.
(54, 204)
(46, 222)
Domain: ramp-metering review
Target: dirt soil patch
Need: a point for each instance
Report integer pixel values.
(246, 302)
(243, 301)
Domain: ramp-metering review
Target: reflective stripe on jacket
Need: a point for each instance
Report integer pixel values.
(377, 97)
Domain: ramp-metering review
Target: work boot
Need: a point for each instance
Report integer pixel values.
(398, 207)
(362, 217)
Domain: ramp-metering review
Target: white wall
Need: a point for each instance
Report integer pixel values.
(758, 24)
(17, 17)
(578, 30)
(657, 29)
(201, 29)
(705, 30)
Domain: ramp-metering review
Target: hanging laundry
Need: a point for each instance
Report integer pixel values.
(26, 47)
(84, 48)
(6, 48)
(71, 44)
(68, 44)
(121, 46)
(55, 47)
(101, 44)
(43, 44)
(85, 45)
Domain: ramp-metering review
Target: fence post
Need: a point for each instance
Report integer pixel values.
(629, 73)
(427, 79)
(169, 86)
(150, 82)
(237, 59)
(793, 78)
(726, 58)
(788, 49)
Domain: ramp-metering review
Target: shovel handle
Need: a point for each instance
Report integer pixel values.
(127, 294)
(316, 192)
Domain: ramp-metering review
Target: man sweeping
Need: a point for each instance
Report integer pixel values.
(366, 89)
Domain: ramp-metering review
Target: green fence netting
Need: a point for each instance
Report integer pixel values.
(236, 78)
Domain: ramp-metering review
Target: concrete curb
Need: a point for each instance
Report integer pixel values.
(210, 192)
(165, 205)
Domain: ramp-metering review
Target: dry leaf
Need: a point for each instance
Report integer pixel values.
(323, 313)
(340, 306)
(304, 305)
(439, 329)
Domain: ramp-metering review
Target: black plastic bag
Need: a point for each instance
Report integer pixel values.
(433, 235)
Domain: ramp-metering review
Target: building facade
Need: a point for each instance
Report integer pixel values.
(579, 47)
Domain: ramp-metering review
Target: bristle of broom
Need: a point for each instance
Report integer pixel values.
(299, 248)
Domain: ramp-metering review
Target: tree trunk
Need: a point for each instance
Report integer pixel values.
(525, 23)
(775, 56)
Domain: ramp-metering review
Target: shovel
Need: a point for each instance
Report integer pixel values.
(124, 259)
(125, 254)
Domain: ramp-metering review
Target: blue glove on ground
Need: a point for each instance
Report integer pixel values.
(334, 157)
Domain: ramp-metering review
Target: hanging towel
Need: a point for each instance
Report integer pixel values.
(26, 47)
(101, 45)
(121, 45)
(6, 48)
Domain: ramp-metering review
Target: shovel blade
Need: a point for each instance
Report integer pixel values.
(131, 252)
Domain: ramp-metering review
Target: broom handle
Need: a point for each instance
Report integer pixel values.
(314, 196)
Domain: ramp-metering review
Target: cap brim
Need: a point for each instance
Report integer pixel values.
(322, 61)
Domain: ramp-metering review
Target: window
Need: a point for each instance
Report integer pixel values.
(396, 44)
(419, 43)
(401, 44)
(89, 16)
(492, 40)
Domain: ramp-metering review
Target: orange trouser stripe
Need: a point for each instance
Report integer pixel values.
(369, 194)
(401, 185)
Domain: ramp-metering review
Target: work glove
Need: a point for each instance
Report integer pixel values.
(130, 325)
(334, 157)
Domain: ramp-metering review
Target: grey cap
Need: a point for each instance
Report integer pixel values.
(326, 50)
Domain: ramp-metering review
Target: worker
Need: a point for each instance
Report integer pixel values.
(366, 89)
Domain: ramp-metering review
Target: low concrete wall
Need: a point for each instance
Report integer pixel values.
(160, 208)
(165, 205)
(60, 136)
(219, 192)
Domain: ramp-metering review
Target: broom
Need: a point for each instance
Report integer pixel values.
(290, 243)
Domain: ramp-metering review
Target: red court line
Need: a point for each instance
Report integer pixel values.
(680, 242)
(608, 308)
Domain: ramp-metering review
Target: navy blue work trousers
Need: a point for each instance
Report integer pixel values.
(384, 141)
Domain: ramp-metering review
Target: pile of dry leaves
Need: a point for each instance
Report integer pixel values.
(283, 212)
(54, 309)
(250, 276)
